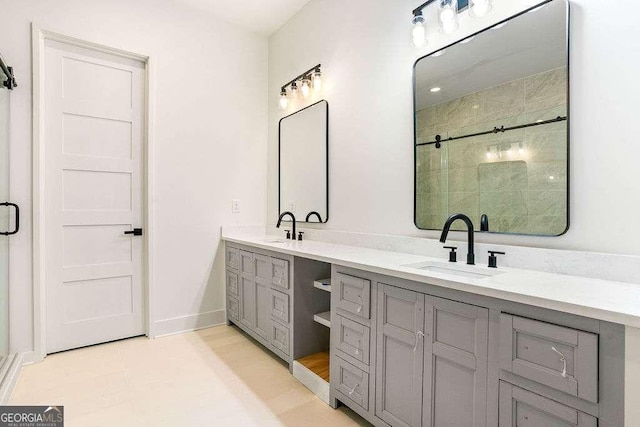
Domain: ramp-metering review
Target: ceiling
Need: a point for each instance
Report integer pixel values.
(530, 44)
(262, 17)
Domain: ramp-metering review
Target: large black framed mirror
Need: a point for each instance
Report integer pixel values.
(303, 163)
(492, 127)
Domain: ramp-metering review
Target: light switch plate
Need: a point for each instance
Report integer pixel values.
(235, 206)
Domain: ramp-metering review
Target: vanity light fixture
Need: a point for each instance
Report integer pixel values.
(448, 16)
(317, 78)
(419, 32)
(283, 99)
(480, 8)
(448, 11)
(306, 87)
(310, 78)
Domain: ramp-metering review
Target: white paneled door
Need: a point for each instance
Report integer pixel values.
(94, 157)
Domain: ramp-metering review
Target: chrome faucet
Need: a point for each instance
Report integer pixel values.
(471, 258)
(293, 219)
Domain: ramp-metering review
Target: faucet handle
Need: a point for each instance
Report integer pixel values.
(288, 234)
(300, 233)
(493, 259)
(453, 256)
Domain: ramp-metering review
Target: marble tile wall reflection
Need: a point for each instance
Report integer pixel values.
(518, 178)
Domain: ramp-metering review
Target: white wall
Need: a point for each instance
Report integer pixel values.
(364, 47)
(210, 140)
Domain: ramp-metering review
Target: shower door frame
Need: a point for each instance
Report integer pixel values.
(39, 38)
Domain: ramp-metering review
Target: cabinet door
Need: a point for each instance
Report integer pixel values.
(263, 295)
(263, 308)
(247, 290)
(521, 408)
(455, 364)
(400, 323)
(247, 301)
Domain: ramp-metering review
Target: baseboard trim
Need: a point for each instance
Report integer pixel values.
(29, 358)
(188, 323)
(9, 371)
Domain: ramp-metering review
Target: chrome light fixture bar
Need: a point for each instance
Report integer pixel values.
(448, 11)
(312, 78)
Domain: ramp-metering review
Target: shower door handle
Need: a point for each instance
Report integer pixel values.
(17, 226)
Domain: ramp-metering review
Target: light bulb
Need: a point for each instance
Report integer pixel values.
(448, 16)
(283, 99)
(480, 8)
(305, 88)
(317, 79)
(419, 32)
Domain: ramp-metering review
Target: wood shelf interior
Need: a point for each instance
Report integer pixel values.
(317, 363)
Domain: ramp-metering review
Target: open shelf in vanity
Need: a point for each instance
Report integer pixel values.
(312, 320)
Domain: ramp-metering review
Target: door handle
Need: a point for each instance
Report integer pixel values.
(135, 232)
(17, 226)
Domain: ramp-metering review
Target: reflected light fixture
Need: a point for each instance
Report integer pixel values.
(302, 83)
(448, 11)
(435, 89)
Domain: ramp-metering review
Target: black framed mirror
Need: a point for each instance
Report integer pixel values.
(492, 127)
(303, 163)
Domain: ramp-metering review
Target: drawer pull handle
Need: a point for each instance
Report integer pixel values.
(353, 390)
(418, 335)
(564, 362)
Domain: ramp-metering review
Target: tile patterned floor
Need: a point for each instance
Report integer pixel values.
(217, 376)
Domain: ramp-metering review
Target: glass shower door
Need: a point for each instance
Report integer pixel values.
(4, 221)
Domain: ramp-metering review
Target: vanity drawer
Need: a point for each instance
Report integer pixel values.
(521, 408)
(353, 339)
(280, 273)
(246, 263)
(280, 306)
(354, 295)
(232, 258)
(562, 358)
(353, 383)
(233, 309)
(232, 284)
(280, 337)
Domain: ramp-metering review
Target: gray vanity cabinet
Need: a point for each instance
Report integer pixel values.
(399, 379)
(258, 297)
(522, 408)
(455, 364)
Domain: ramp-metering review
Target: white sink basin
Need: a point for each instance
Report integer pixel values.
(462, 270)
(273, 241)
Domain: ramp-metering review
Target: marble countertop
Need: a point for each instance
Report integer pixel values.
(610, 301)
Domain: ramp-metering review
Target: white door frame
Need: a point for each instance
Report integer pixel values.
(39, 36)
